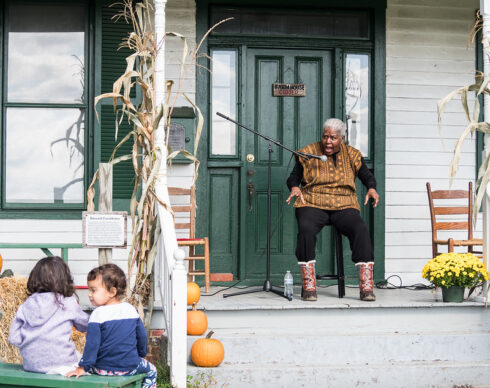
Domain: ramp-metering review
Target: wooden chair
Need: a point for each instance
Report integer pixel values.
(189, 206)
(457, 208)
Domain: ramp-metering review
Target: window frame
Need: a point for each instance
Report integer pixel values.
(48, 210)
(236, 155)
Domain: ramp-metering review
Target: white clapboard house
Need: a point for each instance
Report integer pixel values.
(380, 65)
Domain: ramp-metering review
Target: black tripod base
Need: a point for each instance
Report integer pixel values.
(267, 288)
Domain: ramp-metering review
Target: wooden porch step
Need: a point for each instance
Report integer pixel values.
(404, 339)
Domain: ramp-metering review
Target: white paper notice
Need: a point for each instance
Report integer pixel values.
(104, 229)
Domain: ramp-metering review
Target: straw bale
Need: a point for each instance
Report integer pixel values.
(13, 292)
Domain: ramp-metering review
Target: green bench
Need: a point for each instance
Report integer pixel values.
(12, 375)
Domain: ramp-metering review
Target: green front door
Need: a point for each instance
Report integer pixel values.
(338, 55)
(294, 122)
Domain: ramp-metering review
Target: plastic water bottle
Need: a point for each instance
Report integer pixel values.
(288, 285)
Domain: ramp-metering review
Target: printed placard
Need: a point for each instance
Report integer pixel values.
(104, 229)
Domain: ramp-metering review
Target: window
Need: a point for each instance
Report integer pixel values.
(224, 100)
(44, 105)
(357, 97)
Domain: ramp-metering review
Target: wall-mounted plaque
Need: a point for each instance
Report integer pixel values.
(176, 138)
(289, 90)
(104, 229)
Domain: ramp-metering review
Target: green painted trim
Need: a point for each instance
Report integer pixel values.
(480, 137)
(379, 137)
(97, 91)
(291, 42)
(2, 67)
(294, 3)
(42, 214)
(38, 245)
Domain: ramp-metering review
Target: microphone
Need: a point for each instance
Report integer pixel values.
(323, 158)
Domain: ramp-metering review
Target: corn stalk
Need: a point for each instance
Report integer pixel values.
(146, 158)
(478, 88)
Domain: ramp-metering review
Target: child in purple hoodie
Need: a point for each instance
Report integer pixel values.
(43, 324)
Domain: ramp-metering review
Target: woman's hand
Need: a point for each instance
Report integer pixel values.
(295, 192)
(372, 193)
(76, 372)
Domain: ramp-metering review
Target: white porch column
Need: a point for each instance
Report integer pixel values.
(170, 239)
(178, 331)
(485, 13)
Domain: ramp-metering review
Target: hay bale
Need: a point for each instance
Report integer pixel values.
(79, 340)
(13, 292)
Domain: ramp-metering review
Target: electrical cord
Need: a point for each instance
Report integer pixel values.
(387, 285)
(258, 259)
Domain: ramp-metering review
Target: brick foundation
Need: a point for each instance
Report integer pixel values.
(155, 345)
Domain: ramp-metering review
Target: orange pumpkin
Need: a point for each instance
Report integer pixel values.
(207, 352)
(1, 263)
(197, 322)
(193, 293)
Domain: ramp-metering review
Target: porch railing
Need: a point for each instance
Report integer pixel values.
(43, 247)
(172, 283)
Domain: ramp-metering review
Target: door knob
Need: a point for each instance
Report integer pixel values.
(250, 158)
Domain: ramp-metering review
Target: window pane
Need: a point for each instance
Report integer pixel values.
(223, 99)
(357, 101)
(46, 53)
(334, 23)
(45, 155)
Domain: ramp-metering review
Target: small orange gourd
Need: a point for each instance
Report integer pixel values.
(1, 263)
(193, 293)
(207, 352)
(197, 322)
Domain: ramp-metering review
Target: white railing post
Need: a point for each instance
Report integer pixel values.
(173, 281)
(178, 358)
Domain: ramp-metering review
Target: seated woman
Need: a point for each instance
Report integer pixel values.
(328, 197)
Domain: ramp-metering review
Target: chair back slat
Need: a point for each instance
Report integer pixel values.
(188, 207)
(182, 208)
(450, 210)
(449, 194)
(451, 226)
(179, 191)
(182, 225)
(439, 205)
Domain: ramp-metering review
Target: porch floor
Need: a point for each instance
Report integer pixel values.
(327, 299)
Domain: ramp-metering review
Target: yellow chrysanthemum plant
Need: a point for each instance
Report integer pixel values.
(455, 269)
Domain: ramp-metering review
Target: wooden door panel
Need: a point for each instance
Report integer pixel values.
(295, 122)
(223, 216)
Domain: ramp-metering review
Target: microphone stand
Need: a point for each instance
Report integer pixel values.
(267, 287)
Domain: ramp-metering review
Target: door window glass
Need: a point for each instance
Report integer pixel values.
(357, 97)
(223, 99)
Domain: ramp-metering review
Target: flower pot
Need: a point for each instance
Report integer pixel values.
(453, 294)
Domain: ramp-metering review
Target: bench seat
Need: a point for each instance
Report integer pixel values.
(12, 375)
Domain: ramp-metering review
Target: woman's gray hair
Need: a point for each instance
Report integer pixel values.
(335, 124)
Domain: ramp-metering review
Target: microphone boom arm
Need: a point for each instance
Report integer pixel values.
(303, 155)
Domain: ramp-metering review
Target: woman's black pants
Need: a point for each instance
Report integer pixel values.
(348, 222)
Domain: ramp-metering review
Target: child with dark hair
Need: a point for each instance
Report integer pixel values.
(43, 324)
(116, 337)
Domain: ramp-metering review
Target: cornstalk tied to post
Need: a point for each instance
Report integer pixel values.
(147, 156)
